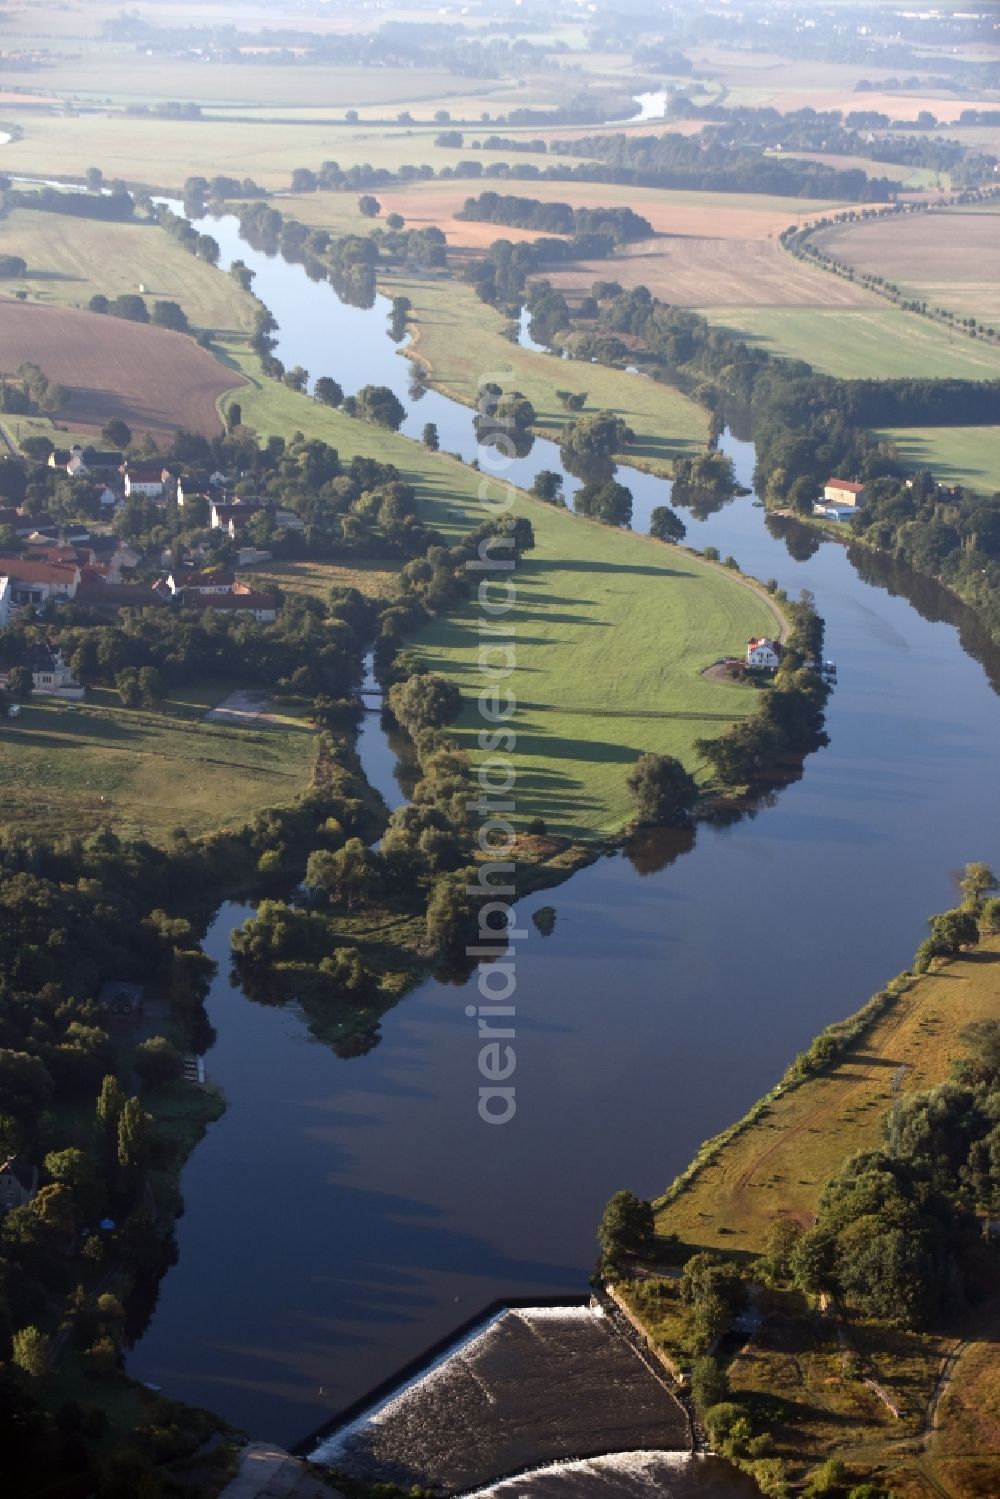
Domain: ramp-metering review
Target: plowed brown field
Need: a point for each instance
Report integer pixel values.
(155, 380)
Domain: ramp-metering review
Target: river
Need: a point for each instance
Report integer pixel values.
(345, 1214)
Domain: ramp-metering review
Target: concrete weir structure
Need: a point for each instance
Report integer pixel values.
(529, 1386)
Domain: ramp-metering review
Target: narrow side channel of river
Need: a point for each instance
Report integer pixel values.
(344, 1214)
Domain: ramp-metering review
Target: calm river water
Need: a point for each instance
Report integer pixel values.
(344, 1214)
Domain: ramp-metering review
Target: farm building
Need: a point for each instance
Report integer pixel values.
(150, 480)
(37, 582)
(263, 607)
(763, 654)
(845, 493)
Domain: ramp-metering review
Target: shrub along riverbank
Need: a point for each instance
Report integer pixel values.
(842, 1217)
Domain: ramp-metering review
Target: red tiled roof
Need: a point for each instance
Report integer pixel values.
(38, 572)
(849, 484)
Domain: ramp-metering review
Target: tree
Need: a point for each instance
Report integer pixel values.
(424, 701)
(134, 1137)
(95, 178)
(117, 432)
(709, 1384)
(12, 265)
(395, 221)
(368, 206)
(30, 1352)
(610, 502)
(587, 445)
(977, 881)
(170, 315)
(234, 416)
(451, 911)
(548, 487)
(157, 1062)
(130, 306)
(666, 525)
(347, 875)
(627, 1227)
(19, 684)
(328, 391)
(429, 437)
(990, 917)
(663, 791)
(151, 686)
(296, 378)
(98, 303)
(380, 405)
(110, 1102)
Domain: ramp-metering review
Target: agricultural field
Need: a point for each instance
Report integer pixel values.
(71, 259)
(157, 381)
(955, 455)
(871, 341)
(69, 767)
(948, 258)
(770, 80)
(314, 579)
(915, 178)
(460, 341)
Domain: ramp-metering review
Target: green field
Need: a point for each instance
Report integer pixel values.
(862, 343)
(613, 630)
(460, 340)
(68, 767)
(955, 455)
(69, 259)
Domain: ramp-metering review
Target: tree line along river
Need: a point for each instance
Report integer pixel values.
(345, 1214)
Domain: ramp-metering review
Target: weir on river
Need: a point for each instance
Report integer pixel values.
(345, 1214)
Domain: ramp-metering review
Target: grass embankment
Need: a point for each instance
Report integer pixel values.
(772, 1166)
(459, 340)
(613, 630)
(67, 767)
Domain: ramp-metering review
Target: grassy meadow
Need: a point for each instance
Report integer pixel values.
(460, 340)
(68, 767)
(613, 630)
(611, 635)
(955, 455)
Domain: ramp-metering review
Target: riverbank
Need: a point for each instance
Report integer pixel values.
(768, 1170)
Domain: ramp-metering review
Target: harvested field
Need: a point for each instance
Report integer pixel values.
(695, 272)
(157, 381)
(950, 259)
(719, 247)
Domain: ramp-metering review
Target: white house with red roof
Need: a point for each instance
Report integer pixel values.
(763, 654)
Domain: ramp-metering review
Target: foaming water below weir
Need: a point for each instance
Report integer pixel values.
(627, 1475)
(529, 1388)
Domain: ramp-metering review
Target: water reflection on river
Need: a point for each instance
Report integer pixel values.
(346, 1213)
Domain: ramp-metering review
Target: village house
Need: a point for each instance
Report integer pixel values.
(36, 583)
(148, 481)
(263, 607)
(18, 1183)
(70, 459)
(233, 517)
(50, 676)
(763, 654)
(182, 582)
